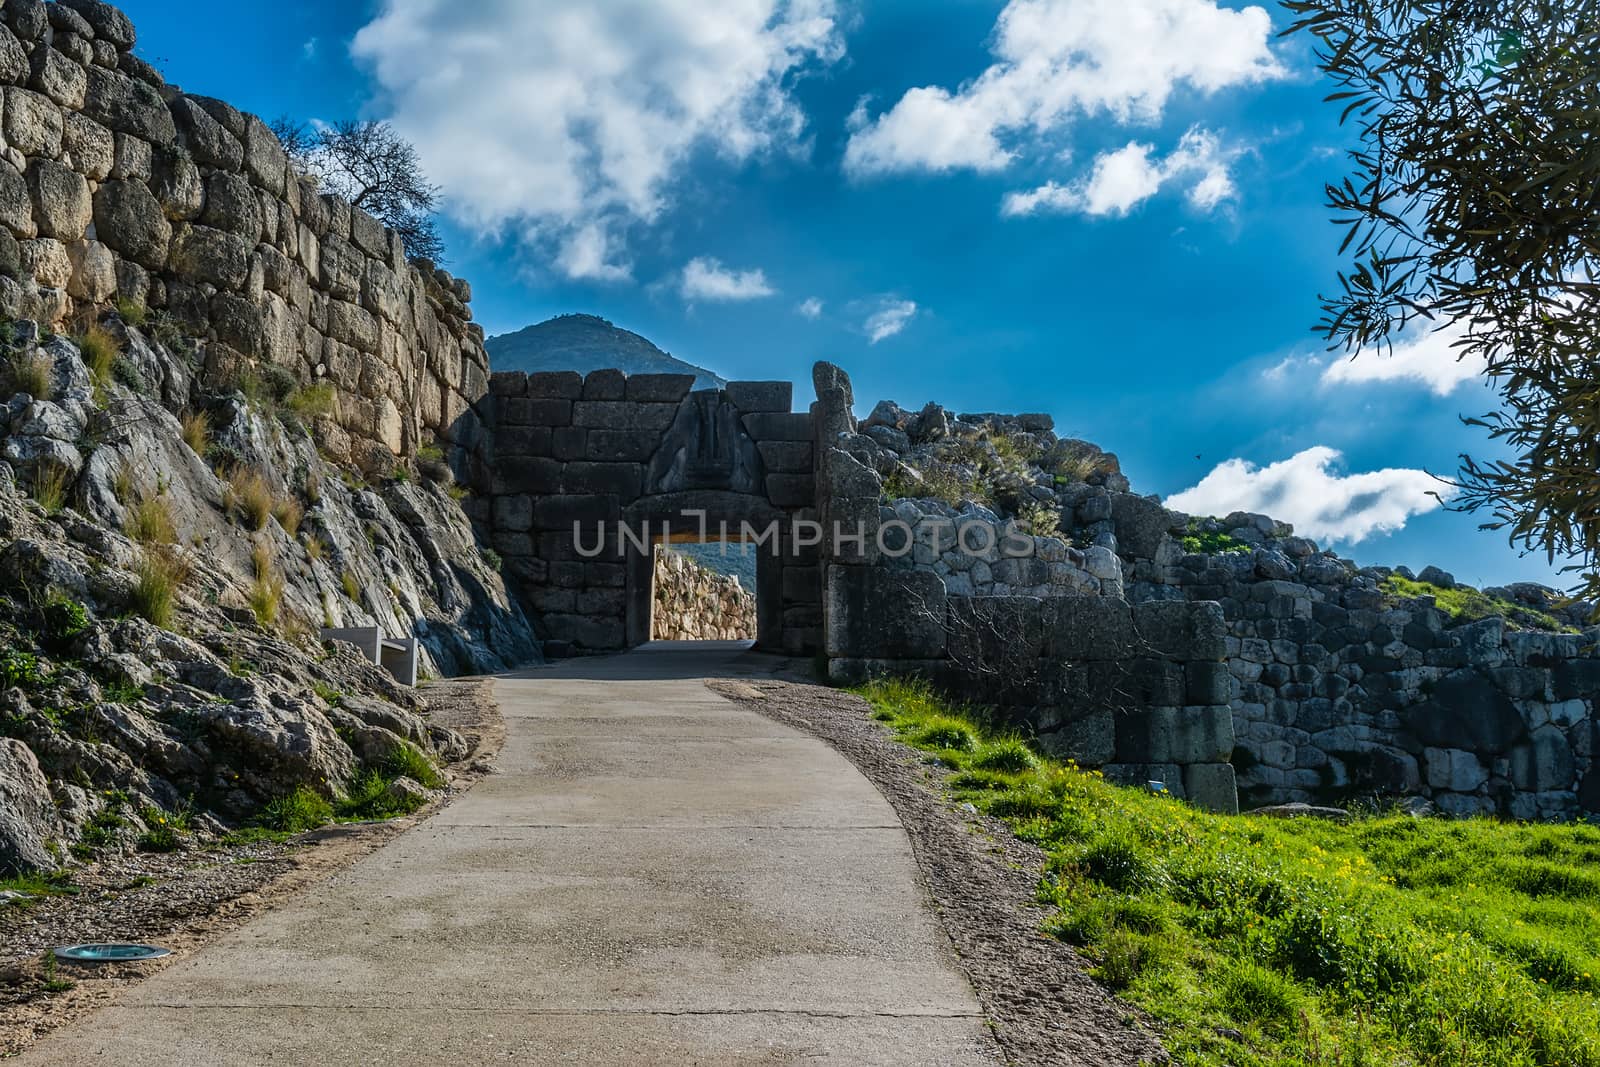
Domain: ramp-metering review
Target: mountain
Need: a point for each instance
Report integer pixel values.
(585, 343)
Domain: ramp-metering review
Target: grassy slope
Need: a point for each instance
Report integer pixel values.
(1386, 940)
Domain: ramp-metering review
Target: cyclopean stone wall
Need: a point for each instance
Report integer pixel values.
(1139, 691)
(589, 471)
(695, 603)
(114, 184)
(1340, 689)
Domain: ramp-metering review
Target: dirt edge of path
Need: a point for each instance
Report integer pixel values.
(185, 900)
(1041, 1003)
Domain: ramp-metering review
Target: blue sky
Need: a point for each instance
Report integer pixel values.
(1109, 210)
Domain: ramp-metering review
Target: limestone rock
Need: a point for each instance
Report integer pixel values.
(27, 813)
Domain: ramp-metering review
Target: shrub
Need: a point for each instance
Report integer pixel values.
(52, 482)
(164, 831)
(369, 798)
(266, 588)
(310, 401)
(250, 495)
(492, 558)
(946, 733)
(100, 351)
(132, 312)
(196, 427)
(288, 511)
(31, 373)
(64, 621)
(160, 574)
(409, 760)
(297, 811)
(150, 521)
(1007, 756)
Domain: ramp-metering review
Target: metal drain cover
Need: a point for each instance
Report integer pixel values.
(110, 952)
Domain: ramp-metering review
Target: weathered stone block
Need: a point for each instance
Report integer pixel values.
(786, 457)
(513, 513)
(1544, 762)
(1466, 711)
(555, 385)
(751, 397)
(264, 158)
(1212, 787)
(1182, 631)
(126, 105)
(1207, 682)
(1090, 739)
(1088, 628)
(508, 383)
(607, 384)
(33, 124)
(526, 474)
(791, 490)
(778, 426)
(1156, 682)
(570, 442)
(58, 77)
(1140, 775)
(620, 445)
(207, 140)
(203, 254)
(877, 613)
(561, 512)
(522, 441)
(61, 205)
(108, 23)
(621, 415)
(658, 388)
(621, 479)
(129, 221)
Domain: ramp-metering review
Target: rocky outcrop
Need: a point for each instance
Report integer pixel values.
(117, 186)
(695, 603)
(168, 554)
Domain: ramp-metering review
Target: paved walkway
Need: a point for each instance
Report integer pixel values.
(653, 875)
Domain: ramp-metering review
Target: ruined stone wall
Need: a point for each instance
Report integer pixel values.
(116, 185)
(589, 471)
(1341, 689)
(1139, 691)
(695, 603)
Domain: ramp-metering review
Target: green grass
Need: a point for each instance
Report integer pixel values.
(100, 351)
(1466, 604)
(409, 760)
(309, 401)
(164, 830)
(132, 312)
(38, 884)
(297, 811)
(1211, 542)
(1385, 940)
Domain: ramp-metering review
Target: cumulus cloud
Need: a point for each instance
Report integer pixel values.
(566, 122)
(1121, 180)
(1056, 60)
(1427, 359)
(810, 308)
(705, 278)
(890, 318)
(1310, 490)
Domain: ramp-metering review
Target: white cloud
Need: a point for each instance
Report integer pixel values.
(308, 51)
(1121, 180)
(705, 278)
(552, 119)
(1055, 60)
(810, 308)
(1309, 491)
(891, 317)
(1428, 359)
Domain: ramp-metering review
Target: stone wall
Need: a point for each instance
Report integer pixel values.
(116, 185)
(1341, 689)
(1139, 691)
(588, 472)
(695, 603)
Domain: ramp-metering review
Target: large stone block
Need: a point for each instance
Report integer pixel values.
(1545, 762)
(1211, 786)
(562, 512)
(786, 457)
(108, 23)
(203, 254)
(33, 124)
(522, 441)
(129, 220)
(16, 205)
(207, 140)
(1089, 628)
(264, 158)
(556, 385)
(1207, 682)
(1467, 711)
(1180, 630)
(606, 384)
(126, 105)
(175, 181)
(1140, 775)
(526, 474)
(232, 205)
(791, 490)
(658, 388)
(620, 445)
(620, 479)
(513, 513)
(61, 205)
(778, 426)
(750, 397)
(877, 613)
(88, 147)
(1066, 733)
(13, 60)
(621, 415)
(58, 77)
(238, 323)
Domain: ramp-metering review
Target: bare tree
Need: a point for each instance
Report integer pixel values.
(374, 168)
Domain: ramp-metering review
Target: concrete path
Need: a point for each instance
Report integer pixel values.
(652, 875)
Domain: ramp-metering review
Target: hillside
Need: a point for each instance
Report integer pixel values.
(585, 343)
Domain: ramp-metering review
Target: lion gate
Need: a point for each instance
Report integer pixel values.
(589, 471)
